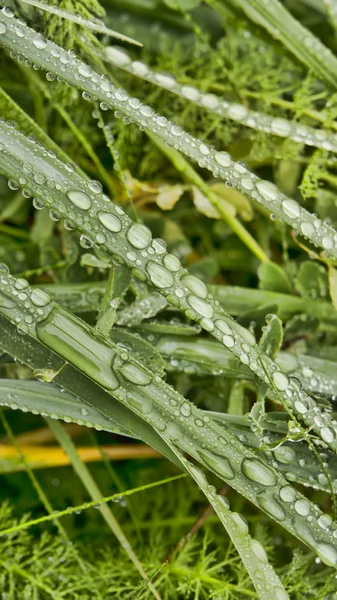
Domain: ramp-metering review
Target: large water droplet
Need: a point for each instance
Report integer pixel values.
(200, 306)
(285, 454)
(257, 471)
(302, 507)
(327, 435)
(110, 221)
(291, 208)
(135, 374)
(185, 409)
(79, 199)
(219, 464)
(280, 127)
(327, 554)
(171, 262)
(271, 506)
(223, 159)
(40, 43)
(281, 381)
(240, 522)
(195, 285)
(40, 298)
(3, 28)
(287, 493)
(139, 236)
(159, 276)
(267, 189)
(259, 551)
(223, 327)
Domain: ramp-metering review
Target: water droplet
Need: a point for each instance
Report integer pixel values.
(307, 229)
(327, 435)
(172, 263)
(241, 523)
(267, 189)
(40, 42)
(223, 159)
(259, 551)
(84, 70)
(135, 374)
(95, 186)
(3, 28)
(110, 221)
(185, 409)
(257, 471)
(38, 204)
(159, 276)
(285, 454)
(139, 236)
(271, 506)
(200, 306)
(281, 381)
(85, 242)
(223, 327)
(324, 521)
(219, 464)
(280, 127)
(40, 298)
(302, 507)
(195, 285)
(291, 208)
(207, 324)
(228, 340)
(327, 554)
(79, 199)
(237, 112)
(327, 242)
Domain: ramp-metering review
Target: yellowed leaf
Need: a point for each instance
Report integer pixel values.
(333, 285)
(169, 195)
(236, 199)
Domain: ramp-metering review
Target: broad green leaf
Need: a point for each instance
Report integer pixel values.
(271, 339)
(273, 278)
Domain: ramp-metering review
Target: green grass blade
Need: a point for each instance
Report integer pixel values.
(167, 412)
(92, 488)
(79, 74)
(298, 39)
(163, 271)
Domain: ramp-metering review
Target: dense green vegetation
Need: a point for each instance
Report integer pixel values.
(168, 296)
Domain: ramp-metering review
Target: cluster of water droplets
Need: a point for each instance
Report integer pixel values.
(34, 304)
(136, 387)
(298, 132)
(106, 225)
(251, 550)
(66, 66)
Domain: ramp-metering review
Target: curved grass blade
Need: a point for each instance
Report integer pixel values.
(93, 25)
(47, 400)
(167, 412)
(278, 126)
(131, 244)
(252, 553)
(55, 60)
(294, 460)
(47, 364)
(83, 297)
(92, 488)
(298, 39)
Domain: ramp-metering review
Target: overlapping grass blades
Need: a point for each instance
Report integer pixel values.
(165, 410)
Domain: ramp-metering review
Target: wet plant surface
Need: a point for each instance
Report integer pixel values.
(168, 295)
